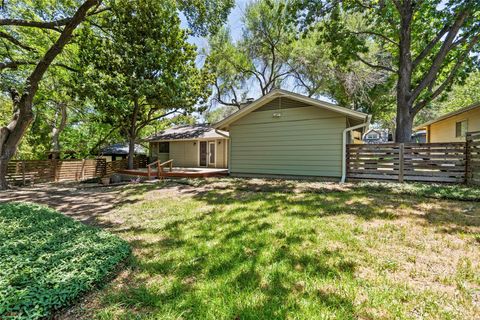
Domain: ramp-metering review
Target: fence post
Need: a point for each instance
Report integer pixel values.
(467, 157)
(82, 174)
(55, 170)
(401, 155)
(23, 172)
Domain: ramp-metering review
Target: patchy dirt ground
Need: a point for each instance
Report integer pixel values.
(399, 250)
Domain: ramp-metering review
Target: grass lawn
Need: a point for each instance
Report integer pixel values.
(253, 249)
(47, 260)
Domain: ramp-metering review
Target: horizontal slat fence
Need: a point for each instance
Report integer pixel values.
(34, 171)
(435, 162)
(473, 158)
(114, 166)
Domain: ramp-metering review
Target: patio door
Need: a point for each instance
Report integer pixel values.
(203, 154)
(211, 154)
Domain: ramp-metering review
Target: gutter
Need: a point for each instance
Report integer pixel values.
(344, 145)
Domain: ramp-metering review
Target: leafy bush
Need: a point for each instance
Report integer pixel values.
(47, 259)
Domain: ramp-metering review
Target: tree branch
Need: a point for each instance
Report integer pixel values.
(432, 73)
(375, 66)
(15, 41)
(448, 80)
(430, 46)
(373, 33)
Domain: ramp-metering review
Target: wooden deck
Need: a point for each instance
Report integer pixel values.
(180, 173)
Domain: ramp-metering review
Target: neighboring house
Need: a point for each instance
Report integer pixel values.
(374, 136)
(288, 134)
(452, 126)
(419, 136)
(119, 151)
(191, 146)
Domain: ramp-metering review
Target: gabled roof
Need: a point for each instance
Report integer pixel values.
(448, 115)
(188, 132)
(277, 93)
(121, 149)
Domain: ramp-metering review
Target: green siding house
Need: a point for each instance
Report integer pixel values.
(287, 134)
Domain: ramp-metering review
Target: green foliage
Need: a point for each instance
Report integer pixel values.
(139, 67)
(417, 45)
(259, 59)
(205, 16)
(49, 259)
(461, 95)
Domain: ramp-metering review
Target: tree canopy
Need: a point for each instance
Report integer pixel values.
(424, 46)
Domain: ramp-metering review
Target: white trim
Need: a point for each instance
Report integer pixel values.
(277, 93)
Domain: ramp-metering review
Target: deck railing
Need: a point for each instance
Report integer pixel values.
(160, 167)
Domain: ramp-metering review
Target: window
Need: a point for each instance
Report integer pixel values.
(372, 136)
(461, 128)
(164, 147)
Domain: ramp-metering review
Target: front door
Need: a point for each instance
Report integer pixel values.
(203, 153)
(211, 158)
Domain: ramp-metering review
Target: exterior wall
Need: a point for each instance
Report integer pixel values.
(444, 131)
(186, 153)
(302, 141)
(154, 155)
(222, 156)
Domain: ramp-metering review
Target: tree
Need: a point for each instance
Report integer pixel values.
(259, 59)
(460, 96)
(426, 45)
(17, 24)
(35, 33)
(139, 67)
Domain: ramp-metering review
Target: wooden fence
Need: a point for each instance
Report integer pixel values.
(473, 158)
(114, 166)
(35, 171)
(434, 162)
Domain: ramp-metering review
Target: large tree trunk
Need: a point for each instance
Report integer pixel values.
(131, 152)
(403, 131)
(132, 134)
(3, 174)
(11, 135)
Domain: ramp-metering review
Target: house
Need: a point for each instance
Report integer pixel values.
(119, 151)
(374, 136)
(288, 134)
(419, 136)
(191, 146)
(452, 126)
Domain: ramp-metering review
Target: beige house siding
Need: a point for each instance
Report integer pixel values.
(299, 140)
(444, 130)
(186, 153)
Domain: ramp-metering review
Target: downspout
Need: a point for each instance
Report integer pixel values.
(344, 145)
(228, 152)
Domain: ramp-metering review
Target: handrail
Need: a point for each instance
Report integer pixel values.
(160, 166)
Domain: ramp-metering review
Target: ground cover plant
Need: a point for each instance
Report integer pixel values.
(257, 249)
(47, 259)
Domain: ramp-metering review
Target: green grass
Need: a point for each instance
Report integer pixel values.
(47, 260)
(239, 249)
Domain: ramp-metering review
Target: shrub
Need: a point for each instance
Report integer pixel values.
(48, 259)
